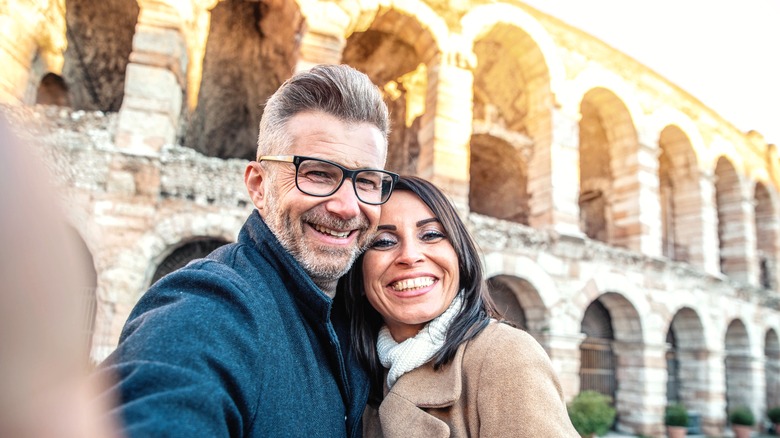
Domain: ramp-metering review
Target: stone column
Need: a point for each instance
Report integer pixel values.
(706, 254)
(712, 398)
(641, 395)
(155, 81)
(446, 127)
(564, 352)
(323, 42)
(555, 172)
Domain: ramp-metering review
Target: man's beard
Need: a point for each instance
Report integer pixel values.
(323, 263)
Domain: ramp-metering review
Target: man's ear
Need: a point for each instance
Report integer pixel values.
(254, 179)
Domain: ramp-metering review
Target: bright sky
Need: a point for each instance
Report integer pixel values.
(726, 53)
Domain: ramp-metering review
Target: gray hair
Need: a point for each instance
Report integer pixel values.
(337, 90)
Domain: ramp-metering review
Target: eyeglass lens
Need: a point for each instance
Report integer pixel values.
(319, 178)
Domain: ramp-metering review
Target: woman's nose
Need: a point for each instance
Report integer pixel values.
(411, 253)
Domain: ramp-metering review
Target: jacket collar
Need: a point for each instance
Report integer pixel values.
(428, 388)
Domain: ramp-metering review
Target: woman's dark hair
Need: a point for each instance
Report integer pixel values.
(477, 308)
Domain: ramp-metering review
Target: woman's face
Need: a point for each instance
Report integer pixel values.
(410, 271)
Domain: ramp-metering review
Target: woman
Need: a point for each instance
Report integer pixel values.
(422, 326)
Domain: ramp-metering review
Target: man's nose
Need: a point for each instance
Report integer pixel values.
(344, 202)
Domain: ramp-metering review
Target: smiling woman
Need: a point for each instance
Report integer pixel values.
(423, 325)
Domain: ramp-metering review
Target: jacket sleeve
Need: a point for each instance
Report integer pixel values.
(518, 392)
(180, 366)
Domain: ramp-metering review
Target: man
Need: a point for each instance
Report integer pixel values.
(248, 341)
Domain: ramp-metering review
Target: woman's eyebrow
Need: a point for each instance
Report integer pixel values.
(427, 221)
(386, 227)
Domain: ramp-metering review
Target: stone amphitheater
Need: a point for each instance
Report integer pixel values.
(632, 230)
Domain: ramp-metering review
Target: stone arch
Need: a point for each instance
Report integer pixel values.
(500, 264)
(686, 361)
(181, 254)
(393, 51)
(483, 18)
(767, 236)
(498, 178)
(681, 199)
(772, 368)
(608, 152)
(100, 40)
(520, 303)
(251, 49)
(512, 99)
(52, 90)
(613, 339)
(740, 390)
(732, 235)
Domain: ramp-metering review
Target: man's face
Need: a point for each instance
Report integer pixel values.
(326, 234)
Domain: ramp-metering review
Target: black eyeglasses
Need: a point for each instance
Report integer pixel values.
(321, 178)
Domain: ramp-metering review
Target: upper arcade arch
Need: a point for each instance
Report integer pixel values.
(393, 50)
(481, 20)
(250, 50)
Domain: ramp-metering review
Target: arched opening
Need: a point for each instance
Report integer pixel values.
(739, 371)
(498, 180)
(185, 253)
(520, 303)
(685, 363)
(678, 177)
(511, 119)
(597, 358)
(100, 40)
(52, 90)
(766, 238)
(251, 49)
(772, 368)
(608, 148)
(404, 80)
(731, 227)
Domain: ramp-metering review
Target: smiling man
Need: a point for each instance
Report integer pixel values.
(252, 341)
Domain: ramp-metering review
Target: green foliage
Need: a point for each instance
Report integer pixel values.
(742, 415)
(591, 413)
(676, 415)
(774, 414)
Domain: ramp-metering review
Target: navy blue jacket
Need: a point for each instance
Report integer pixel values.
(240, 344)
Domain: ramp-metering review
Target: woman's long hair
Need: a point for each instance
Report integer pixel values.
(477, 308)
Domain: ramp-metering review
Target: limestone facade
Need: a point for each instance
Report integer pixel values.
(632, 230)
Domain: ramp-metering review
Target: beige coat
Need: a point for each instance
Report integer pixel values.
(500, 384)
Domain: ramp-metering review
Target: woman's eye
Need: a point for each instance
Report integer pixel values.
(382, 243)
(432, 235)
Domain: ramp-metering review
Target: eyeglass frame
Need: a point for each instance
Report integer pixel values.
(345, 173)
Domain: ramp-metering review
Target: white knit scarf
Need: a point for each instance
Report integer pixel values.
(415, 351)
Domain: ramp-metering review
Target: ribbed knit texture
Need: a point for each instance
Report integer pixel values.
(417, 350)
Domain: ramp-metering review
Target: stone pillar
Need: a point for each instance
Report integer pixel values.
(641, 395)
(323, 42)
(712, 398)
(707, 255)
(446, 127)
(555, 172)
(155, 81)
(636, 211)
(564, 352)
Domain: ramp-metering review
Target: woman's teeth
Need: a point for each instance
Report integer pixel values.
(412, 283)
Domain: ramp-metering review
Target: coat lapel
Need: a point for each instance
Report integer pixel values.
(402, 412)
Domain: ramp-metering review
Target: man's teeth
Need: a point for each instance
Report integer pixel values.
(412, 283)
(334, 233)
